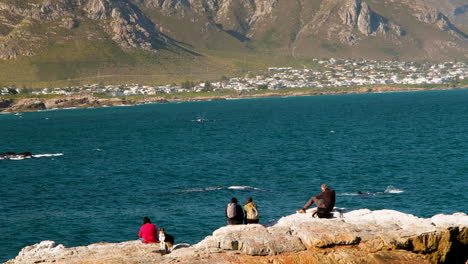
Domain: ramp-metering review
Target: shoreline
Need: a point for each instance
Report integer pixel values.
(34, 104)
(377, 237)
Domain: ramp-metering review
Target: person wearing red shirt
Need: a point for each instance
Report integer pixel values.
(148, 232)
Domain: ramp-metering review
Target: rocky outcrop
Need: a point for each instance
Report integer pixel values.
(360, 236)
(18, 39)
(167, 5)
(357, 14)
(253, 13)
(233, 16)
(5, 103)
(128, 26)
(36, 104)
(440, 238)
(32, 104)
(436, 18)
(123, 21)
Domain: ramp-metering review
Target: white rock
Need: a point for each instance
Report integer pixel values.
(42, 249)
(456, 219)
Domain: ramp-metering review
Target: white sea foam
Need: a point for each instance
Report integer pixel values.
(208, 189)
(244, 188)
(19, 157)
(47, 155)
(361, 194)
(203, 189)
(391, 189)
(348, 194)
(201, 120)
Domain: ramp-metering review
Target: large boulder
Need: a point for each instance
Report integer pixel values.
(439, 239)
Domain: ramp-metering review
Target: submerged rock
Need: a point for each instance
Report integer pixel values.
(360, 236)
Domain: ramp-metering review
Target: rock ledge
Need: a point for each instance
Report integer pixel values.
(359, 236)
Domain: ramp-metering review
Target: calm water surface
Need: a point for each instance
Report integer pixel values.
(122, 163)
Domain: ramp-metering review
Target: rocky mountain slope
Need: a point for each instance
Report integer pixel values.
(91, 33)
(455, 10)
(360, 236)
(30, 23)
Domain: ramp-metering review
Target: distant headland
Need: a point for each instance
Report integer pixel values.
(39, 103)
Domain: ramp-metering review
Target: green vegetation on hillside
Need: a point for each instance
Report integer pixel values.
(86, 62)
(201, 46)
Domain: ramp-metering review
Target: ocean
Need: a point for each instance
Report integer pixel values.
(99, 171)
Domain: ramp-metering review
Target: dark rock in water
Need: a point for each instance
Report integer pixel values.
(13, 155)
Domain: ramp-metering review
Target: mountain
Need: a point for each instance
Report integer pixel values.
(169, 40)
(455, 10)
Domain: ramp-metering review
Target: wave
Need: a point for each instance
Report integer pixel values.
(47, 155)
(244, 188)
(202, 189)
(21, 157)
(201, 120)
(348, 194)
(391, 189)
(208, 189)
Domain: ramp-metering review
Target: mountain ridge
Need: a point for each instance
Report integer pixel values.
(167, 33)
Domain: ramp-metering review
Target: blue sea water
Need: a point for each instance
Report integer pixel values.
(122, 163)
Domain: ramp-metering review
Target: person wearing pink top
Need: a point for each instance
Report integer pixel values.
(148, 232)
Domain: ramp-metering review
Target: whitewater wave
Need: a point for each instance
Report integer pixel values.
(244, 188)
(390, 189)
(209, 189)
(20, 157)
(348, 194)
(47, 155)
(202, 120)
(202, 189)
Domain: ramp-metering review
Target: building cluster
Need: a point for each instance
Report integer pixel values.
(339, 73)
(333, 73)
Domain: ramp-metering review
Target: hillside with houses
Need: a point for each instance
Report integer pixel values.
(334, 73)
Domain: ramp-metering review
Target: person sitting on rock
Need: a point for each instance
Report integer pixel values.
(148, 232)
(234, 213)
(325, 202)
(251, 212)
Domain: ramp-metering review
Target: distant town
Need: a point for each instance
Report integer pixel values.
(333, 73)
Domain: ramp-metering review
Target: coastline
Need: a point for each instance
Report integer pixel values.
(33, 104)
(358, 236)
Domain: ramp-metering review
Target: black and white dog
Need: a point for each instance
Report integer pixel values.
(166, 240)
